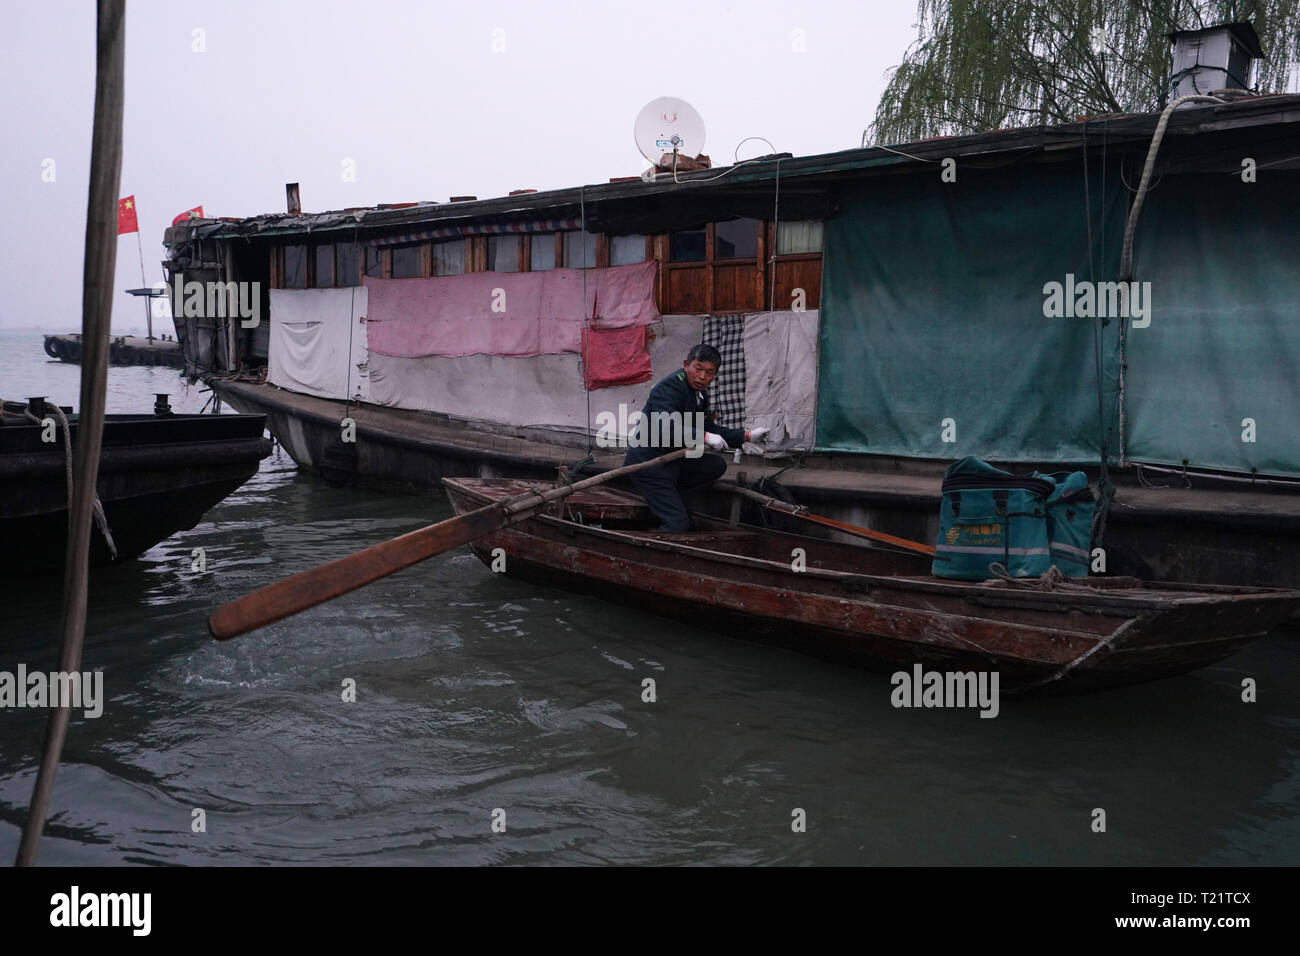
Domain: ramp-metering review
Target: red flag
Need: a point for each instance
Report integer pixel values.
(126, 221)
(195, 213)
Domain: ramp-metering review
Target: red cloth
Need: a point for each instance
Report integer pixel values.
(615, 357)
(126, 221)
(195, 213)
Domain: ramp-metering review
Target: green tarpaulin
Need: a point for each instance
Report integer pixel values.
(1220, 361)
(932, 315)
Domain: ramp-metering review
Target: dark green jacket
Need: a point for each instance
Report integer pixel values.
(674, 394)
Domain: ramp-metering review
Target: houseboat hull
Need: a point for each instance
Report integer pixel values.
(1201, 535)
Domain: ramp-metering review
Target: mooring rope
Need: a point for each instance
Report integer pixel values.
(101, 520)
(1126, 253)
(1050, 580)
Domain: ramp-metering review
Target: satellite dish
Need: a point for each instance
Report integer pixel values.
(666, 124)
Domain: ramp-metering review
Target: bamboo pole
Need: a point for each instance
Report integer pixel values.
(96, 314)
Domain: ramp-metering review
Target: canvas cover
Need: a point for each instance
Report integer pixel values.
(500, 313)
(932, 324)
(1219, 364)
(318, 342)
(781, 377)
(540, 390)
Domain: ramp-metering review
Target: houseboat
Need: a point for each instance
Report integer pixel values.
(883, 310)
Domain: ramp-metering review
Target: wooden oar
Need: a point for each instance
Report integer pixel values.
(799, 511)
(317, 585)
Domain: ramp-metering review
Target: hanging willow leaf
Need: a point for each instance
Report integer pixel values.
(979, 65)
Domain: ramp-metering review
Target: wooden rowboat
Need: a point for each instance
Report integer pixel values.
(872, 607)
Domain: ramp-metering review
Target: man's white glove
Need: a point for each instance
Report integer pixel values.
(714, 441)
(756, 434)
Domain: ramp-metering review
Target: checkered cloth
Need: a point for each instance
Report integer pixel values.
(727, 393)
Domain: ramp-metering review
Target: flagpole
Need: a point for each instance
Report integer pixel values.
(144, 283)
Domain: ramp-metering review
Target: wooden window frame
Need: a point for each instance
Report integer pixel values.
(769, 275)
(561, 263)
(521, 250)
(426, 260)
(361, 261)
(558, 252)
(277, 264)
(662, 243)
(314, 248)
(649, 249)
(365, 256)
(464, 258)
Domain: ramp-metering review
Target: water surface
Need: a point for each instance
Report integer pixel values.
(476, 693)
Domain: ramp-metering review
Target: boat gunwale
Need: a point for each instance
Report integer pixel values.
(1121, 602)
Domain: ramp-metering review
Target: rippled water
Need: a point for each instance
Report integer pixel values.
(476, 693)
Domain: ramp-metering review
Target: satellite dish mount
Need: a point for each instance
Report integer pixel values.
(670, 134)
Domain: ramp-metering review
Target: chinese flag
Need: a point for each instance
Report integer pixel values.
(195, 213)
(126, 216)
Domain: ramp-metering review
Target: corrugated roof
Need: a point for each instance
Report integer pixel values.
(734, 182)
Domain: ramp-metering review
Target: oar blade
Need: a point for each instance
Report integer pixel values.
(306, 589)
(317, 585)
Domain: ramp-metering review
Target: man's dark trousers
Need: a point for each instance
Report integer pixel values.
(667, 488)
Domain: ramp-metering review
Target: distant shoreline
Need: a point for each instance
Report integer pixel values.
(59, 330)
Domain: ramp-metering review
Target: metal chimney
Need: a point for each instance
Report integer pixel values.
(1213, 59)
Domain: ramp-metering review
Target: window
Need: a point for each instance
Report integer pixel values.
(796, 273)
(541, 252)
(449, 258)
(374, 261)
(795, 238)
(406, 262)
(347, 258)
(295, 267)
(736, 239)
(688, 245)
(324, 277)
(625, 250)
(503, 254)
(579, 250)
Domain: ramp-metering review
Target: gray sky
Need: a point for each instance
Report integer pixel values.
(429, 100)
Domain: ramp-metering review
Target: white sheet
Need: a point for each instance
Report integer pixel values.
(781, 378)
(318, 343)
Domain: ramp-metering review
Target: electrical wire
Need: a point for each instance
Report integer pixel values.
(921, 159)
(735, 155)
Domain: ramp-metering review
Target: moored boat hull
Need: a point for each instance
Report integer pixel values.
(157, 475)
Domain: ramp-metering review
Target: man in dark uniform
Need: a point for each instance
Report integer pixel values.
(684, 393)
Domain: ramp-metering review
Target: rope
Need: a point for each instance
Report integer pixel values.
(776, 241)
(1050, 580)
(1130, 229)
(1126, 259)
(101, 521)
(586, 325)
(889, 149)
(352, 321)
(1105, 488)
